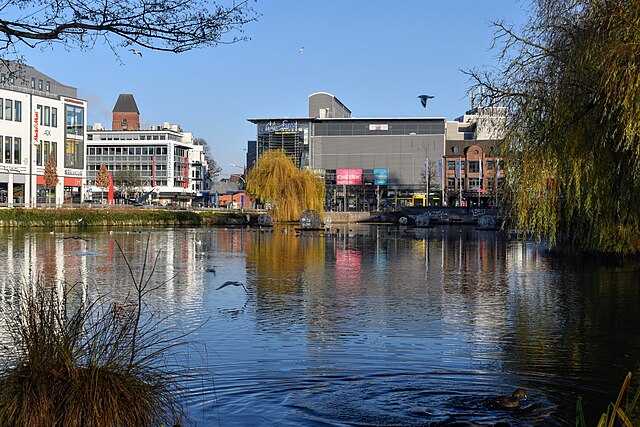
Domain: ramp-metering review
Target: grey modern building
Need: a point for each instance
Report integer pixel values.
(364, 161)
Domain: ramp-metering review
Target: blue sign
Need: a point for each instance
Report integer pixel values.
(458, 169)
(380, 176)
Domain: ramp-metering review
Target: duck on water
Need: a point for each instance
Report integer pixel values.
(509, 402)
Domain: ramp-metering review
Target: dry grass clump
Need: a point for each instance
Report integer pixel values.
(75, 364)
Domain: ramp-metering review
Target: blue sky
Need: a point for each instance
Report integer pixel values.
(376, 56)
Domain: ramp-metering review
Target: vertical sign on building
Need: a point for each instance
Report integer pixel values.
(36, 130)
(170, 163)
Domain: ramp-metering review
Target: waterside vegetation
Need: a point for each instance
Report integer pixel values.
(116, 216)
(290, 191)
(569, 83)
(76, 363)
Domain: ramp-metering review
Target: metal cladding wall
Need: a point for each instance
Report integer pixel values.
(381, 143)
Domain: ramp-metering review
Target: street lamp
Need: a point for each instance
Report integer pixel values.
(243, 172)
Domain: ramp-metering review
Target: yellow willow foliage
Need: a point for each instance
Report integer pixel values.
(275, 179)
(572, 88)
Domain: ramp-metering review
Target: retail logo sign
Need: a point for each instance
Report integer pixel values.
(36, 130)
(348, 176)
(283, 127)
(380, 176)
(378, 127)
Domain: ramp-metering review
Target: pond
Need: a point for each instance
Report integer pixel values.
(365, 324)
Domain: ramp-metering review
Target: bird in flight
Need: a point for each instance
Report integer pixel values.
(231, 283)
(136, 52)
(301, 49)
(424, 99)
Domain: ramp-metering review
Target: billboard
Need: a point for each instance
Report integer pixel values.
(348, 176)
(380, 176)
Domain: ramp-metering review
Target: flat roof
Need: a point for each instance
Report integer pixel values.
(368, 119)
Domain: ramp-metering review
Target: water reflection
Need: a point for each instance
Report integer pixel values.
(364, 324)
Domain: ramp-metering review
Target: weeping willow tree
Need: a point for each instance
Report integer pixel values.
(570, 81)
(276, 179)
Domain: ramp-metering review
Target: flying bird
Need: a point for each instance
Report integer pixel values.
(136, 52)
(424, 99)
(231, 283)
(301, 49)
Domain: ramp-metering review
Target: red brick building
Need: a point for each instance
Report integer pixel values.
(125, 113)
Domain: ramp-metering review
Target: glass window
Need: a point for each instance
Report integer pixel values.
(48, 86)
(474, 166)
(451, 165)
(46, 147)
(39, 154)
(451, 183)
(47, 116)
(489, 164)
(39, 84)
(54, 117)
(75, 120)
(138, 151)
(17, 150)
(40, 118)
(73, 153)
(8, 142)
(8, 109)
(33, 82)
(1, 109)
(17, 113)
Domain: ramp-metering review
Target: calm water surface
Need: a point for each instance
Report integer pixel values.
(367, 326)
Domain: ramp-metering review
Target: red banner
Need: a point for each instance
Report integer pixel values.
(348, 176)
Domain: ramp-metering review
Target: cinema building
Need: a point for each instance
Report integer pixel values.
(40, 118)
(364, 162)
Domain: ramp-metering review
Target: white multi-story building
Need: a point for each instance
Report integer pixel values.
(163, 159)
(39, 118)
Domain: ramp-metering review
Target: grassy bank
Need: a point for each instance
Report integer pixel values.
(114, 216)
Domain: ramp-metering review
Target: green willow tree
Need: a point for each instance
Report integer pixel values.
(290, 190)
(570, 81)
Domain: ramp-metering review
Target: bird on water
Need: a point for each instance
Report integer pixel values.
(510, 402)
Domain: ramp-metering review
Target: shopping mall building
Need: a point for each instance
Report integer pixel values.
(371, 162)
(39, 118)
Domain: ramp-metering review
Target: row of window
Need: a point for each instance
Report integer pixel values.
(12, 151)
(474, 165)
(45, 149)
(161, 137)
(472, 183)
(11, 110)
(117, 167)
(127, 151)
(48, 116)
(47, 85)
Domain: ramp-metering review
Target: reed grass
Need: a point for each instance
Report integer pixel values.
(624, 412)
(71, 363)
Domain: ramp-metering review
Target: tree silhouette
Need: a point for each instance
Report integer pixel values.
(50, 176)
(164, 25)
(102, 180)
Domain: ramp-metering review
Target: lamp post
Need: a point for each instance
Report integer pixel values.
(244, 182)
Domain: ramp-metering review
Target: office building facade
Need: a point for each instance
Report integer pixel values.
(40, 119)
(162, 160)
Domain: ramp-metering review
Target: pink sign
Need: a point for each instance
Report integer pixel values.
(348, 176)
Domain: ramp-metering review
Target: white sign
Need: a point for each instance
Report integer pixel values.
(378, 127)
